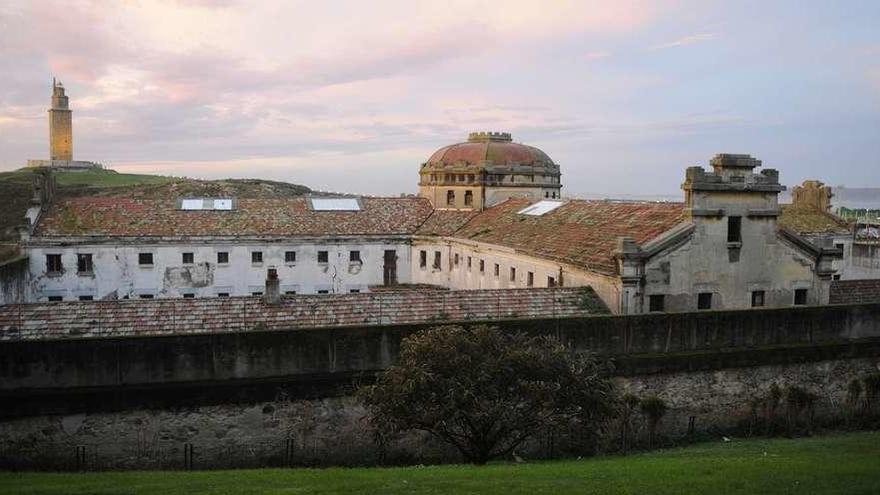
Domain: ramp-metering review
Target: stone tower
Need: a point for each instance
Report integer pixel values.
(60, 125)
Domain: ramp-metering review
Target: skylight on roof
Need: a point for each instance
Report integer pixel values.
(540, 208)
(195, 204)
(335, 204)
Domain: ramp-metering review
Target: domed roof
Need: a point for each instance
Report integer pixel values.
(497, 148)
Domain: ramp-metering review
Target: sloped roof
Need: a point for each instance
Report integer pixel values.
(855, 291)
(446, 222)
(143, 217)
(132, 318)
(804, 221)
(579, 232)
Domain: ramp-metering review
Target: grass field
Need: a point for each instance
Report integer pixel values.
(833, 464)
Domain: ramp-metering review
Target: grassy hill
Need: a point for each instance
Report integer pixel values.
(819, 465)
(15, 189)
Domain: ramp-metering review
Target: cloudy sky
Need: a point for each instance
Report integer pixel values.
(353, 96)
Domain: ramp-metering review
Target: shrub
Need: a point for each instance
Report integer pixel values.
(654, 408)
(486, 392)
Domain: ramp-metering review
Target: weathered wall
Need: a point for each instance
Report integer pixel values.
(116, 268)
(14, 281)
(283, 431)
(462, 276)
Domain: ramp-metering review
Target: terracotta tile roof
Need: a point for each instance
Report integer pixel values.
(118, 216)
(74, 320)
(445, 222)
(579, 232)
(812, 221)
(855, 291)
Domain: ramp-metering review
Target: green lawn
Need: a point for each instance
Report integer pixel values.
(833, 464)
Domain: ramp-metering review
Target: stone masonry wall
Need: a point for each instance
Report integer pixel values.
(334, 430)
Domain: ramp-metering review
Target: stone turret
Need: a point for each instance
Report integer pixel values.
(812, 195)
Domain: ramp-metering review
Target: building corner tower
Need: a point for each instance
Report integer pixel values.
(60, 125)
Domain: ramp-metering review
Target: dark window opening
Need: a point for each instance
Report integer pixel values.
(354, 291)
(290, 293)
(55, 298)
(146, 296)
(86, 298)
(53, 263)
(436, 260)
(455, 258)
(497, 269)
(800, 297)
(222, 257)
(354, 256)
(656, 302)
(257, 293)
(145, 258)
(423, 259)
(530, 279)
(450, 198)
(704, 300)
(757, 298)
(470, 260)
(189, 295)
(482, 266)
(188, 258)
(734, 229)
(84, 263)
(512, 274)
(323, 256)
(836, 277)
(323, 291)
(290, 256)
(468, 198)
(256, 256)
(551, 282)
(222, 294)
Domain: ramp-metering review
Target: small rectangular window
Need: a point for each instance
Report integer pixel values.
(704, 300)
(53, 263)
(290, 293)
(551, 282)
(86, 298)
(55, 298)
(656, 302)
(354, 291)
(800, 297)
(497, 270)
(436, 260)
(145, 259)
(455, 262)
(354, 256)
(323, 291)
(512, 274)
(257, 293)
(188, 258)
(146, 296)
(290, 256)
(323, 257)
(470, 260)
(450, 198)
(256, 257)
(468, 198)
(734, 229)
(222, 258)
(423, 259)
(530, 279)
(482, 266)
(84, 263)
(757, 298)
(222, 294)
(189, 295)
(838, 246)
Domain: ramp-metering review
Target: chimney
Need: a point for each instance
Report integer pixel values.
(272, 294)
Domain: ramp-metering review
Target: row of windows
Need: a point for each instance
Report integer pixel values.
(468, 198)
(191, 295)
(470, 178)
(530, 276)
(657, 302)
(84, 260)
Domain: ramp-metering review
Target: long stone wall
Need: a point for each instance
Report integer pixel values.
(285, 397)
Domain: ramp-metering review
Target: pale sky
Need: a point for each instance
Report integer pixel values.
(353, 96)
